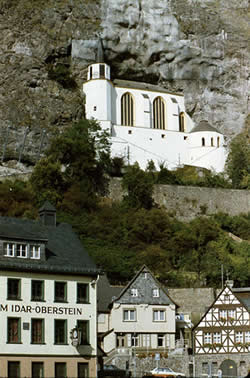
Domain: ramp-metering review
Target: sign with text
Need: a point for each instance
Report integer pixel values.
(40, 309)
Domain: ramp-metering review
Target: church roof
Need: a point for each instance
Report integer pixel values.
(204, 126)
(142, 86)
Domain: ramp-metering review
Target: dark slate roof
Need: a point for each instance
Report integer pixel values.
(204, 126)
(64, 251)
(145, 287)
(142, 86)
(106, 293)
(243, 294)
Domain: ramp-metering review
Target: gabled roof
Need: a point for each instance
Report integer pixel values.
(204, 126)
(163, 299)
(64, 252)
(234, 292)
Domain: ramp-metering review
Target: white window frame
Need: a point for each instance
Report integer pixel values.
(129, 315)
(159, 315)
(134, 293)
(10, 252)
(207, 338)
(35, 251)
(23, 250)
(155, 293)
(231, 314)
(247, 337)
(223, 314)
(239, 337)
(217, 337)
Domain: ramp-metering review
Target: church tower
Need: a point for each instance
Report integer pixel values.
(98, 91)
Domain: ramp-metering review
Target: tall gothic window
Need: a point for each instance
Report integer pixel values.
(182, 122)
(127, 110)
(159, 113)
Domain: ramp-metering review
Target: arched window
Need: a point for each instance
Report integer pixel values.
(212, 142)
(127, 110)
(182, 122)
(218, 141)
(203, 143)
(159, 113)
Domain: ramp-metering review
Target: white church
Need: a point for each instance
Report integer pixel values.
(146, 122)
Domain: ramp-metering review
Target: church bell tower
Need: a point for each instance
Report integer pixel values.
(98, 90)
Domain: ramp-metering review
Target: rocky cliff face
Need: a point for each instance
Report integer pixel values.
(199, 47)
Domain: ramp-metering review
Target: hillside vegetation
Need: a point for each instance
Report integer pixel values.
(122, 236)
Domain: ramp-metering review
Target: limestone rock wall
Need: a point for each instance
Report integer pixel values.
(196, 46)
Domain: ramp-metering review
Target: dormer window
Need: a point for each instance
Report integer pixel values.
(9, 249)
(155, 293)
(21, 250)
(34, 251)
(134, 293)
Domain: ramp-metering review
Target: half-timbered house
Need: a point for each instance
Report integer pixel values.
(222, 336)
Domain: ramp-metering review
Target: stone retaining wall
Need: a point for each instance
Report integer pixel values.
(187, 202)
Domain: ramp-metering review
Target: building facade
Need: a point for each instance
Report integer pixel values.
(141, 318)
(47, 300)
(146, 122)
(222, 337)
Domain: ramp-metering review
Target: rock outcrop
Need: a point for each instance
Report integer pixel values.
(199, 47)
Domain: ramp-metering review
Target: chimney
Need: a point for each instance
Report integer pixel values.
(47, 214)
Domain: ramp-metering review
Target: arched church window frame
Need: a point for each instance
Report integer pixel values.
(127, 109)
(182, 125)
(212, 142)
(218, 141)
(159, 113)
(203, 142)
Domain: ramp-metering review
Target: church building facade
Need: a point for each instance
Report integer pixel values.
(146, 122)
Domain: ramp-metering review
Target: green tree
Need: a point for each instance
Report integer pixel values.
(139, 187)
(238, 162)
(84, 152)
(47, 180)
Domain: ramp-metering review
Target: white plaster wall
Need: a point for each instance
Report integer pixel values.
(109, 342)
(172, 109)
(143, 145)
(144, 319)
(103, 326)
(88, 313)
(98, 94)
(213, 158)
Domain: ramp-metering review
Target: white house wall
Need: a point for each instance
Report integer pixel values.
(144, 319)
(27, 310)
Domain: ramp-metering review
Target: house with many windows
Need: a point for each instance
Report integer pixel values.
(222, 336)
(146, 122)
(47, 300)
(138, 318)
